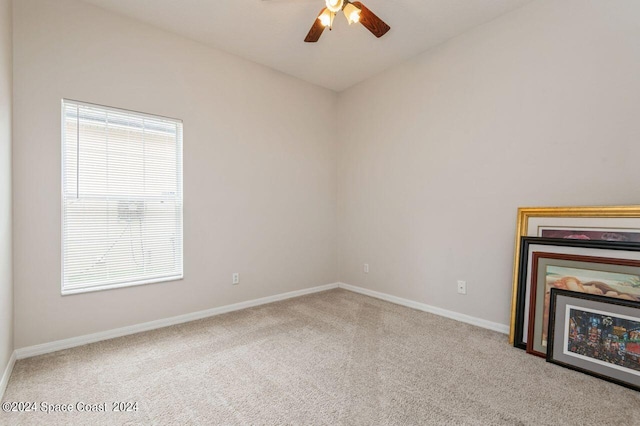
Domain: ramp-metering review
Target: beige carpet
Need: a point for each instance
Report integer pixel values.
(330, 358)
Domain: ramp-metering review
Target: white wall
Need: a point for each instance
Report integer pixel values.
(6, 280)
(259, 167)
(539, 107)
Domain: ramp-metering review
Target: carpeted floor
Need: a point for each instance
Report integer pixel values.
(330, 358)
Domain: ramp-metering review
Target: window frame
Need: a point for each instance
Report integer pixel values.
(179, 187)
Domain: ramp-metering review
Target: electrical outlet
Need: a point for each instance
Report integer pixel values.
(462, 287)
(366, 268)
(235, 278)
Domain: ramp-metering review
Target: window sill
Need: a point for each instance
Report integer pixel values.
(80, 290)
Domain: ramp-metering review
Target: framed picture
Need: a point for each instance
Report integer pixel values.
(530, 245)
(609, 277)
(606, 223)
(596, 335)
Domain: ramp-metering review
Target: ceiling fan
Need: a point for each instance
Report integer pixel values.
(354, 11)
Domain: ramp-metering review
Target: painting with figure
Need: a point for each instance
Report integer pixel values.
(587, 234)
(610, 284)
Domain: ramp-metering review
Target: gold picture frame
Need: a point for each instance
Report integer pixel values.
(523, 228)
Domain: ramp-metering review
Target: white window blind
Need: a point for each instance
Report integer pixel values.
(121, 198)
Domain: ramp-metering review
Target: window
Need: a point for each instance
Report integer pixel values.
(121, 198)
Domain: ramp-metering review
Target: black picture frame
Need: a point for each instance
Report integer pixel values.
(521, 314)
(614, 364)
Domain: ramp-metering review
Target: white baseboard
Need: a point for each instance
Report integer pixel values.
(72, 342)
(58, 345)
(7, 374)
(501, 328)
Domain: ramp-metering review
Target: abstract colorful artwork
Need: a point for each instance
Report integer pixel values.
(596, 335)
(603, 338)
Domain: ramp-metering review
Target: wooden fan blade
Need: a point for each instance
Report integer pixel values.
(316, 30)
(370, 21)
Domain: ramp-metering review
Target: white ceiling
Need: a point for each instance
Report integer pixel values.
(271, 32)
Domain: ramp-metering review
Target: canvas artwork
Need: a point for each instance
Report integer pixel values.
(590, 234)
(610, 284)
(603, 338)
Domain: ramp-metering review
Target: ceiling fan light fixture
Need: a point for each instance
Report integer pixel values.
(352, 13)
(326, 18)
(335, 5)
